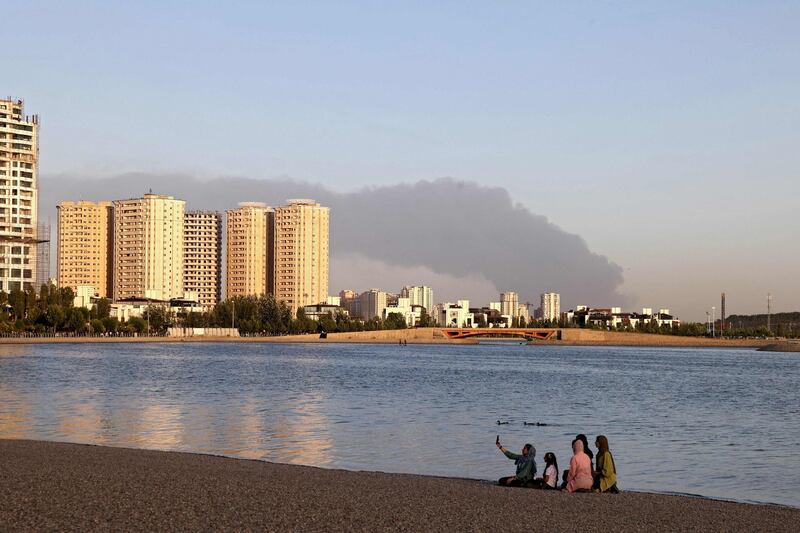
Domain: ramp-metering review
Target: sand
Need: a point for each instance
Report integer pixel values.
(57, 486)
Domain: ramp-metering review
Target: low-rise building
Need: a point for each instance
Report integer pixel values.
(615, 318)
(411, 313)
(317, 311)
(85, 296)
(455, 315)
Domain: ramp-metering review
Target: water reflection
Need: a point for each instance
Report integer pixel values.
(159, 427)
(303, 435)
(15, 413)
(79, 420)
(424, 409)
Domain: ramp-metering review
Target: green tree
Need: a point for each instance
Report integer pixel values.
(77, 319)
(55, 316)
(16, 299)
(110, 323)
(137, 325)
(102, 308)
(394, 321)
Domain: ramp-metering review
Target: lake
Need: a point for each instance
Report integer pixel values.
(714, 422)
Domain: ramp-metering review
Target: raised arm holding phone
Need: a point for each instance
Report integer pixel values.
(525, 463)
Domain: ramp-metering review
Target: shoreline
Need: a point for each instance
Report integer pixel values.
(52, 485)
(570, 337)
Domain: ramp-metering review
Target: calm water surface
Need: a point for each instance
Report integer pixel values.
(719, 423)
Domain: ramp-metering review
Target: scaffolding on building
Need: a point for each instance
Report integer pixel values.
(42, 255)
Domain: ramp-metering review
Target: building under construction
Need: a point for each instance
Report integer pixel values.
(19, 197)
(42, 255)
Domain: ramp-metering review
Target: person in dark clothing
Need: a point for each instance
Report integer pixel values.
(526, 466)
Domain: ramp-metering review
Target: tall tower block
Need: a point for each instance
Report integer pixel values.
(19, 187)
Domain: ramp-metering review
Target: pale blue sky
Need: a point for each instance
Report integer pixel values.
(664, 133)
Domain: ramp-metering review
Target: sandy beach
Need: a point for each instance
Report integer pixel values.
(71, 487)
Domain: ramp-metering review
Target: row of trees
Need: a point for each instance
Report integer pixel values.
(52, 311)
(264, 315)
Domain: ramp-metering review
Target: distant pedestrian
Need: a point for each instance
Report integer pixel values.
(526, 466)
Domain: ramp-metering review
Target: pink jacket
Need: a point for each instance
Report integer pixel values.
(580, 469)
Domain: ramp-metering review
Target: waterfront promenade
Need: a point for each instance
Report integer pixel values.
(69, 487)
(569, 337)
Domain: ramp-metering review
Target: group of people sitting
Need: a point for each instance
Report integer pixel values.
(582, 476)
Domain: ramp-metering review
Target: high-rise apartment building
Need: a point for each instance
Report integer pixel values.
(351, 302)
(419, 295)
(509, 303)
(85, 251)
(301, 253)
(372, 303)
(148, 247)
(19, 177)
(550, 307)
(202, 256)
(250, 233)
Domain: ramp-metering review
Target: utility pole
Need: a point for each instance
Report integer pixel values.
(769, 311)
(722, 316)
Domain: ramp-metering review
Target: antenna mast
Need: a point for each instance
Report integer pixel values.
(769, 311)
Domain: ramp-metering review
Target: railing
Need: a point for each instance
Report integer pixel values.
(73, 335)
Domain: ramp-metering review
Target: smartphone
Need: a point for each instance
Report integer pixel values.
(498, 440)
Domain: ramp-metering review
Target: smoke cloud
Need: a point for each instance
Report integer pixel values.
(466, 238)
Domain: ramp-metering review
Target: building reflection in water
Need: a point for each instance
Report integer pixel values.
(15, 413)
(289, 431)
(302, 435)
(70, 398)
(78, 420)
(159, 427)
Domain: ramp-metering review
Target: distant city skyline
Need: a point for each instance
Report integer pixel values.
(661, 134)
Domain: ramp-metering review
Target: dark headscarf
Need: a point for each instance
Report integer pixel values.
(585, 442)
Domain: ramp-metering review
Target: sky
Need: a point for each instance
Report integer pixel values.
(662, 134)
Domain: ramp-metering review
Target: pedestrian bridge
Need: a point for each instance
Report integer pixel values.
(542, 334)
